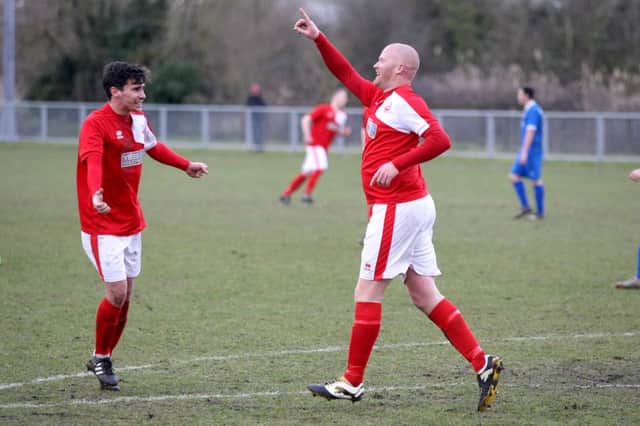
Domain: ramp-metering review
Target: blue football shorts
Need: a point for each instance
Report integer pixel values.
(531, 170)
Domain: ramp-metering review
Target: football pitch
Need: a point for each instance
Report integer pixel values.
(242, 301)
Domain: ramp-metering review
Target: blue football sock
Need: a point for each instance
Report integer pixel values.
(539, 190)
(638, 271)
(521, 192)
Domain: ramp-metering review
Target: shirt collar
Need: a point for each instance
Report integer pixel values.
(529, 104)
(125, 118)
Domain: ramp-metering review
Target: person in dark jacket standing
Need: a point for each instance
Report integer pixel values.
(255, 102)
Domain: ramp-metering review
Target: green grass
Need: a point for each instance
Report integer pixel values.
(230, 273)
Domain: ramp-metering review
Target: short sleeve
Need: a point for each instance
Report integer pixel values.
(150, 140)
(142, 133)
(532, 119)
(408, 115)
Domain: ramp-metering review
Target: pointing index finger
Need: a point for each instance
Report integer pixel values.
(304, 15)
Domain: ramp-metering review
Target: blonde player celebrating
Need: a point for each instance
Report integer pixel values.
(319, 128)
(633, 283)
(113, 141)
(398, 235)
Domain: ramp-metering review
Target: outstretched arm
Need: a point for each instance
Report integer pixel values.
(335, 61)
(165, 155)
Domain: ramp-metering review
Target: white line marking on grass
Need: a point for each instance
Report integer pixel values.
(156, 398)
(246, 395)
(67, 376)
(266, 354)
(329, 349)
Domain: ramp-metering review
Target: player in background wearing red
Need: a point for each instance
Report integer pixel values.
(319, 128)
(633, 283)
(112, 144)
(398, 235)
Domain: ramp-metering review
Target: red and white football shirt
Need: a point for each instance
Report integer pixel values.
(121, 141)
(395, 121)
(325, 123)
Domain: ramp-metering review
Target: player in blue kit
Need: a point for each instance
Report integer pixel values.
(528, 163)
(633, 283)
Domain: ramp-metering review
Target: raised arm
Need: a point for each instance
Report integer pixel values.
(335, 61)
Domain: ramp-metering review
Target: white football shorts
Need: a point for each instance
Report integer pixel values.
(115, 258)
(315, 159)
(398, 237)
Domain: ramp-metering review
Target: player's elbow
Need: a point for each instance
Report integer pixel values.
(444, 141)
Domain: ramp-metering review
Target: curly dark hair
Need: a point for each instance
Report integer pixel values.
(118, 74)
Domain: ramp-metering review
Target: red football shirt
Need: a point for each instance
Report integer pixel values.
(395, 121)
(121, 141)
(325, 122)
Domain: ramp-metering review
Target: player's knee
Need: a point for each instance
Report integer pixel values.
(424, 293)
(426, 303)
(116, 294)
(118, 299)
(368, 296)
(421, 303)
(514, 178)
(369, 291)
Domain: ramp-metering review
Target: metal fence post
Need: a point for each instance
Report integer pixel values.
(204, 126)
(294, 134)
(545, 137)
(490, 142)
(8, 126)
(44, 122)
(82, 113)
(600, 136)
(248, 128)
(163, 123)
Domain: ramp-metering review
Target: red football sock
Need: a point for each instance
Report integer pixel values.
(446, 316)
(122, 321)
(364, 333)
(311, 183)
(106, 323)
(295, 184)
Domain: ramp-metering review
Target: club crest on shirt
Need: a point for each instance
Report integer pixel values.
(119, 134)
(372, 128)
(132, 158)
